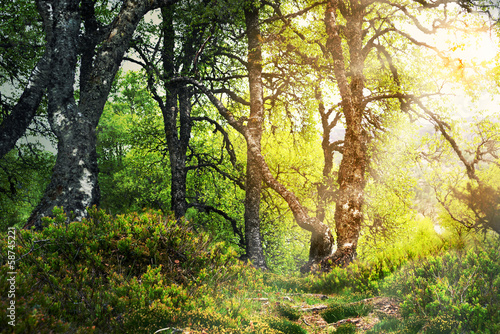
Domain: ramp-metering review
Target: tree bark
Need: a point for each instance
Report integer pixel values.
(177, 105)
(73, 184)
(351, 178)
(254, 250)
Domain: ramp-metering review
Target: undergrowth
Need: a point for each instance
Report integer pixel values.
(455, 292)
(134, 273)
(142, 272)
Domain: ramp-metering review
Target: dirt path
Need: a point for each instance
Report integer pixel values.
(314, 323)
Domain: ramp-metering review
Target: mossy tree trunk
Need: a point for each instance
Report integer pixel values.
(253, 184)
(351, 175)
(73, 184)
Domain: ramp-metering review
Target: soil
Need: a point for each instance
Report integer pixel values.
(316, 324)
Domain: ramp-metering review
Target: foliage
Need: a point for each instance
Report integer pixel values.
(288, 312)
(455, 292)
(346, 329)
(387, 324)
(105, 272)
(286, 326)
(143, 271)
(336, 312)
(466, 203)
(390, 191)
(135, 169)
(21, 43)
(364, 276)
(139, 272)
(295, 160)
(416, 238)
(133, 174)
(24, 173)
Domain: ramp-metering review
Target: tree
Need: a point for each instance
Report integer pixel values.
(22, 50)
(73, 28)
(252, 131)
(359, 33)
(470, 195)
(188, 46)
(253, 136)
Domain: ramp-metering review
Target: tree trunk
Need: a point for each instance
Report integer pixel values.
(179, 191)
(254, 250)
(73, 184)
(15, 124)
(351, 178)
(176, 112)
(177, 146)
(74, 178)
(175, 104)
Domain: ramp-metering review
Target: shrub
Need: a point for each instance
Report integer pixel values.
(386, 324)
(108, 274)
(455, 292)
(346, 329)
(288, 312)
(286, 326)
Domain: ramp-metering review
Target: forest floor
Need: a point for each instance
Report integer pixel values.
(381, 306)
(311, 308)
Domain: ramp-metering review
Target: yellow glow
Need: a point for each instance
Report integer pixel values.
(471, 48)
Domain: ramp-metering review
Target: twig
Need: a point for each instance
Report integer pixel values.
(174, 330)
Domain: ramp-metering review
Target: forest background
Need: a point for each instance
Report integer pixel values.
(337, 137)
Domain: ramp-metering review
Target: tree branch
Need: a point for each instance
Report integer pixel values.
(228, 116)
(232, 221)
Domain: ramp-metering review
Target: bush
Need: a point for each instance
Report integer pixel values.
(346, 329)
(288, 312)
(386, 324)
(455, 292)
(107, 274)
(286, 326)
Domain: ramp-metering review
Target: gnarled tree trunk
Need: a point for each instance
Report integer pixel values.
(351, 177)
(73, 184)
(74, 179)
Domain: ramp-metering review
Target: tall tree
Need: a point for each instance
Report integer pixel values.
(359, 34)
(252, 131)
(351, 177)
(188, 46)
(176, 108)
(73, 29)
(253, 135)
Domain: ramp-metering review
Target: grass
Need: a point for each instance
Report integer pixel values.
(337, 312)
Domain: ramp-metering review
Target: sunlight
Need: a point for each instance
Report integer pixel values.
(468, 48)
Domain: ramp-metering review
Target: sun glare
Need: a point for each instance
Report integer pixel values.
(470, 48)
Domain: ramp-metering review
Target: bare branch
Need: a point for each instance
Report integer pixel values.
(236, 124)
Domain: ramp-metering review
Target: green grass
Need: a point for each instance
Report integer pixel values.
(337, 312)
(346, 329)
(288, 312)
(286, 326)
